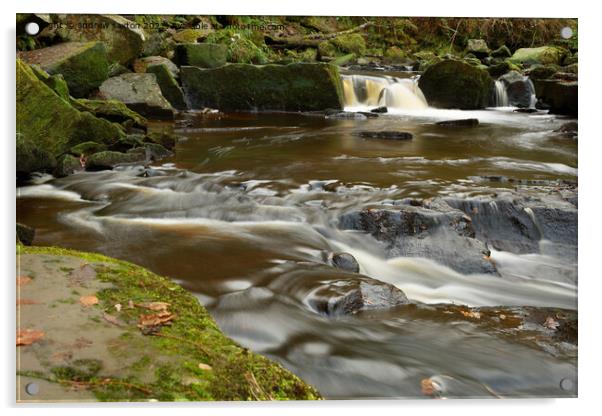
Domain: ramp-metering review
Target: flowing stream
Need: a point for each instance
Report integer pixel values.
(244, 212)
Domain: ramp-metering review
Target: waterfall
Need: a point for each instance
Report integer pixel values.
(531, 88)
(500, 95)
(375, 91)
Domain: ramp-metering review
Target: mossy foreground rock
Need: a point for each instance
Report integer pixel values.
(203, 55)
(455, 84)
(293, 87)
(48, 125)
(84, 66)
(542, 55)
(140, 92)
(124, 39)
(94, 328)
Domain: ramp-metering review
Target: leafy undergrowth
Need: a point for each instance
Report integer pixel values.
(191, 358)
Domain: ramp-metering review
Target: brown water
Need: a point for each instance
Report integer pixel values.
(242, 214)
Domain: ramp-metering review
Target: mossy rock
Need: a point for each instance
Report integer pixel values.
(122, 37)
(188, 360)
(501, 68)
(109, 159)
(478, 47)
(543, 71)
(542, 55)
(141, 93)
(112, 110)
(502, 52)
(87, 148)
(31, 158)
(203, 55)
(327, 49)
(141, 65)
(560, 96)
(343, 60)
(50, 122)
(169, 86)
(395, 55)
(455, 84)
(67, 165)
(352, 43)
(242, 46)
(189, 35)
(84, 66)
(293, 87)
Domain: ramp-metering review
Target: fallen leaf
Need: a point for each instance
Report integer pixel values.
(29, 336)
(205, 367)
(155, 319)
(551, 323)
(430, 387)
(27, 302)
(111, 319)
(23, 280)
(88, 300)
(471, 314)
(502, 317)
(154, 306)
(118, 307)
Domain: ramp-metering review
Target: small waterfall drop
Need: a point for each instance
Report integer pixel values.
(500, 95)
(374, 91)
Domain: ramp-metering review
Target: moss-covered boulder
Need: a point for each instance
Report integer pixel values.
(126, 356)
(124, 39)
(141, 65)
(169, 86)
(31, 158)
(190, 35)
(50, 123)
(140, 92)
(455, 84)
(67, 165)
(560, 96)
(543, 71)
(84, 66)
(111, 110)
(542, 55)
(293, 87)
(478, 47)
(109, 159)
(203, 55)
(87, 148)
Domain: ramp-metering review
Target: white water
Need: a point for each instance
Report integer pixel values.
(392, 92)
(500, 96)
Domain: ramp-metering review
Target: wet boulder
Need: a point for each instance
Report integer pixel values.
(385, 135)
(141, 93)
(32, 158)
(466, 122)
(141, 65)
(108, 159)
(542, 55)
(25, 234)
(455, 84)
(351, 295)
(543, 71)
(123, 38)
(202, 55)
(49, 126)
(293, 87)
(519, 88)
(478, 47)
(84, 66)
(560, 96)
(67, 165)
(433, 230)
(169, 86)
(345, 262)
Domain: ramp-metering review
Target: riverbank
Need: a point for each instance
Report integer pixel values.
(94, 328)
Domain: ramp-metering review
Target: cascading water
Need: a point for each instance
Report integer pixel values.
(514, 91)
(374, 91)
(500, 95)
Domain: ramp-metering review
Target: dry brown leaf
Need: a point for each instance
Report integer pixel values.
(551, 323)
(205, 367)
(155, 319)
(154, 306)
(88, 300)
(27, 302)
(111, 319)
(29, 336)
(429, 387)
(471, 314)
(23, 280)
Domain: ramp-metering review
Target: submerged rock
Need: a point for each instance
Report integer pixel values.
(519, 89)
(434, 231)
(386, 135)
(379, 110)
(466, 122)
(140, 92)
(84, 66)
(455, 84)
(344, 261)
(293, 87)
(350, 296)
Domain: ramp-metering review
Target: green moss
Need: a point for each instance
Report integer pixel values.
(112, 110)
(31, 158)
(353, 43)
(169, 86)
(188, 35)
(87, 148)
(242, 46)
(193, 338)
(542, 55)
(293, 87)
(50, 123)
(203, 55)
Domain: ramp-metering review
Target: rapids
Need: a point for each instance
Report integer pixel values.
(244, 212)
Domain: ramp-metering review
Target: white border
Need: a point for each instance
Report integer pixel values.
(590, 152)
